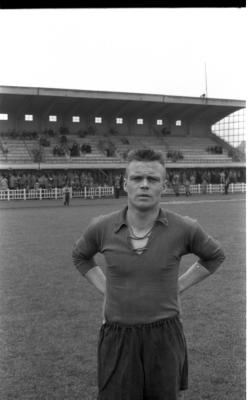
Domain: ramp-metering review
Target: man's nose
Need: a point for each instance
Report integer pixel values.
(144, 183)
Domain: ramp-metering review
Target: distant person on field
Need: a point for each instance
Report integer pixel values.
(176, 184)
(142, 352)
(187, 186)
(222, 177)
(67, 194)
(227, 182)
(117, 187)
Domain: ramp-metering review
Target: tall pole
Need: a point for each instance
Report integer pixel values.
(206, 81)
(39, 154)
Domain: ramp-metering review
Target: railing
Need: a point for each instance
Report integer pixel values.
(108, 191)
(209, 189)
(41, 194)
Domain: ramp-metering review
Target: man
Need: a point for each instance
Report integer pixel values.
(67, 194)
(5, 149)
(117, 187)
(142, 351)
(227, 183)
(176, 183)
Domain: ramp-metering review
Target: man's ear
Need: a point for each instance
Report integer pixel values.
(125, 184)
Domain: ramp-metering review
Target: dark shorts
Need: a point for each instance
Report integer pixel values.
(142, 362)
(67, 197)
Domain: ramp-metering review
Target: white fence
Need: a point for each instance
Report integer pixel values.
(209, 189)
(41, 194)
(108, 191)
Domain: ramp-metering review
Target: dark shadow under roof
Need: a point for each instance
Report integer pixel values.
(33, 100)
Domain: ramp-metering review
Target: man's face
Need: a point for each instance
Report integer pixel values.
(144, 183)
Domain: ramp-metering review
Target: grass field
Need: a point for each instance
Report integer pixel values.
(50, 315)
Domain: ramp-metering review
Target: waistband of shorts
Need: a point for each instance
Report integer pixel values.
(153, 324)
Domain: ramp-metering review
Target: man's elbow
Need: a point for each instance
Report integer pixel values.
(221, 256)
(219, 260)
(213, 263)
(75, 257)
(82, 263)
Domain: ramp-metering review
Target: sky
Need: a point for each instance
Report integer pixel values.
(181, 52)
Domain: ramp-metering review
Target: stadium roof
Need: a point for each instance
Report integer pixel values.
(57, 101)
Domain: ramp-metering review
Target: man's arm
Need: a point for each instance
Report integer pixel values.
(97, 278)
(84, 250)
(195, 274)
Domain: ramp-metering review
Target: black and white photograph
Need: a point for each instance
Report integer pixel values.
(123, 203)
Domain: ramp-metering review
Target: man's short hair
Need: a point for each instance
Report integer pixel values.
(145, 154)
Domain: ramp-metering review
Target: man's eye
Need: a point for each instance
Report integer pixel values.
(151, 179)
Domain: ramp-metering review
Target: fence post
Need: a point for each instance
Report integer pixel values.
(8, 191)
(40, 194)
(100, 192)
(24, 194)
(85, 192)
(199, 188)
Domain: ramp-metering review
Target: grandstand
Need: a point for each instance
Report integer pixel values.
(39, 127)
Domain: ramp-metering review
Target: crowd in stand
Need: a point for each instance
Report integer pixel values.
(16, 179)
(107, 147)
(47, 180)
(174, 155)
(74, 151)
(215, 150)
(64, 147)
(78, 179)
(208, 176)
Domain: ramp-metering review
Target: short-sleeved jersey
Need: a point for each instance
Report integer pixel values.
(143, 287)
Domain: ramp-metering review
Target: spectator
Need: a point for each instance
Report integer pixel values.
(67, 194)
(187, 186)
(222, 176)
(117, 187)
(86, 148)
(32, 181)
(63, 139)
(204, 185)
(75, 150)
(3, 182)
(226, 183)
(61, 150)
(12, 181)
(175, 183)
(124, 140)
(192, 178)
(56, 150)
(44, 142)
(5, 149)
(22, 181)
(36, 185)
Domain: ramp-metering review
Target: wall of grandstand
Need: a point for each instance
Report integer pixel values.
(198, 129)
(107, 166)
(129, 126)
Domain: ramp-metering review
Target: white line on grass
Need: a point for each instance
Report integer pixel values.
(201, 201)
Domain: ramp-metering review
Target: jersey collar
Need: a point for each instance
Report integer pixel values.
(122, 220)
